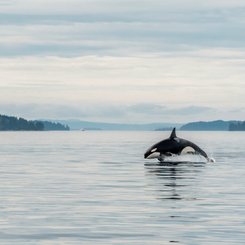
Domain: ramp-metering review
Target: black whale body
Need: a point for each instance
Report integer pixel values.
(173, 146)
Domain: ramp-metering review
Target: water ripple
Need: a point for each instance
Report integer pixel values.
(95, 188)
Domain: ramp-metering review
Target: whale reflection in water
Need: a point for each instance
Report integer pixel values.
(174, 181)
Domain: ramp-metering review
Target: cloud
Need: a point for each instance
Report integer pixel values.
(63, 111)
(112, 6)
(147, 108)
(193, 110)
(196, 79)
(118, 28)
(118, 59)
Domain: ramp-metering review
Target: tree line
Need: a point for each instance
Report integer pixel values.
(237, 126)
(16, 124)
(10, 123)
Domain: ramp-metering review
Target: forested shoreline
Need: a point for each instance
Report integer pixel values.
(238, 126)
(11, 123)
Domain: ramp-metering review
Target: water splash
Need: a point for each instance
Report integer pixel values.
(191, 158)
(211, 159)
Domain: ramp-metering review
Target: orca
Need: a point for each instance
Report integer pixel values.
(173, 146)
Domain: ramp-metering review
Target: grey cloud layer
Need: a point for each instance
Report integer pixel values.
(152, 58)
(119, 27)
(78, 6)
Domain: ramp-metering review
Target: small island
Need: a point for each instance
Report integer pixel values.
(10, 123)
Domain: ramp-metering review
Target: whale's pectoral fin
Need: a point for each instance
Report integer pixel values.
(197, 149)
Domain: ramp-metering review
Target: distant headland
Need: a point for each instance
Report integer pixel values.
(10, 123)
(218, 125)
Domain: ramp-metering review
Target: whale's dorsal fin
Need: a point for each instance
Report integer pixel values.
(173, 134)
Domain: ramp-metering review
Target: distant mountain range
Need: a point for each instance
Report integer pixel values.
(86, 125)
(218, 125)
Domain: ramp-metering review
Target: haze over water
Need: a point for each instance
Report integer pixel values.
(96, 188)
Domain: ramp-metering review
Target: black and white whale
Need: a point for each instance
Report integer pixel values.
(174, 146)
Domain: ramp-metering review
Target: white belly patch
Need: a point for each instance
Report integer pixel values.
(187, 150)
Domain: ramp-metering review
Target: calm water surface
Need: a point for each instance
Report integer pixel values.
(96, 188)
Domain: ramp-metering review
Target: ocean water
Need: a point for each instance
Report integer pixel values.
(96, 188)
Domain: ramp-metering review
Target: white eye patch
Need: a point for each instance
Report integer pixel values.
(153, 150)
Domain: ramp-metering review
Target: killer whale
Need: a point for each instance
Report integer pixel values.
(173, 146)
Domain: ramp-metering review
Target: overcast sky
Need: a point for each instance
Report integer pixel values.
(123, 60)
